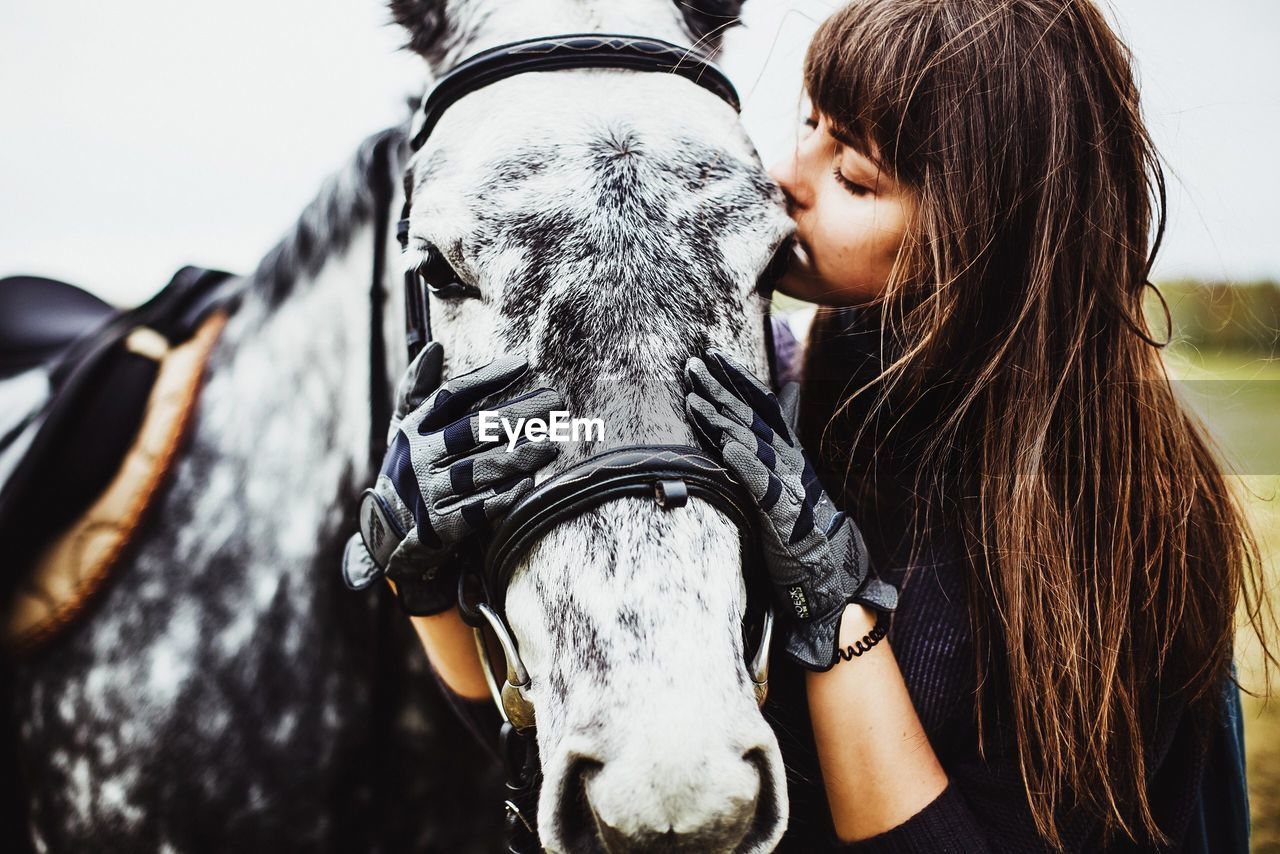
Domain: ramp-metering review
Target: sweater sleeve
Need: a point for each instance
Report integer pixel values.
(789, 333)
(984, 806)
(480, 717)
(945, 826)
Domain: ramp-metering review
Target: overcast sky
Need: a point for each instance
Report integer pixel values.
(139, 135)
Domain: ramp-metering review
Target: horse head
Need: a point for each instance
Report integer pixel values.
(607, 225)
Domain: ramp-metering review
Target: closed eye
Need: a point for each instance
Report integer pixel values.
(852, 186)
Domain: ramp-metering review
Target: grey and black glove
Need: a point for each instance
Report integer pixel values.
(439, 483)
(814, 553)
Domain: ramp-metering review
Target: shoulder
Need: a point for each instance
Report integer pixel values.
(843, 338)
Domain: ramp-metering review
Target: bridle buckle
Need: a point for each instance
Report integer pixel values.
(671, 493)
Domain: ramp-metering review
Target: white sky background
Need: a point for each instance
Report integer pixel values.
(139, 135)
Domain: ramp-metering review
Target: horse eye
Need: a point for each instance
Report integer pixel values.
(442, 279)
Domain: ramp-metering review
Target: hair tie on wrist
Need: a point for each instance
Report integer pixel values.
(870, 639)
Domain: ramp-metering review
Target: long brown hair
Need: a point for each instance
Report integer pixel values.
(1107, 554)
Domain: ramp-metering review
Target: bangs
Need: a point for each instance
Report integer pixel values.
(861, 71)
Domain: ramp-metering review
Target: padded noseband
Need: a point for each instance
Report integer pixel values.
(668, 474)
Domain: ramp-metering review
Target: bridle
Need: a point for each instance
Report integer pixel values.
(665, 474)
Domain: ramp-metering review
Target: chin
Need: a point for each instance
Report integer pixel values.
(803, 283)
(812, 288)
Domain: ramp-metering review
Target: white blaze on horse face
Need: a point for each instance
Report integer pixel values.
(615, 224)
(644, 705)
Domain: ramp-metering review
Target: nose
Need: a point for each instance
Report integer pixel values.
(785, 173)
(794, 172)
(726, 803)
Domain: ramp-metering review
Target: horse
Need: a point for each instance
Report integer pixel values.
(226, 690)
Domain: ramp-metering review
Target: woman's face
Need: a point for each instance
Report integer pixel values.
(850, 219)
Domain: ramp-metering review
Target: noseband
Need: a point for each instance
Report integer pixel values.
(666, 474)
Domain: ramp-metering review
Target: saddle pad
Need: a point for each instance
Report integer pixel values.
(73, 567)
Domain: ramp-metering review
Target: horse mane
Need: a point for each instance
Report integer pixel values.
(346, 202)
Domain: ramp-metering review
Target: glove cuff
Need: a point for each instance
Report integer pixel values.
(877, 594)
(424, 590)
(812, 643)
(815, 646)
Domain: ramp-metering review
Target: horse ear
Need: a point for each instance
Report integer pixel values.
(708, 19)
(425, 21)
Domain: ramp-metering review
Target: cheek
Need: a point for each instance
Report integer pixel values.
(856, 250)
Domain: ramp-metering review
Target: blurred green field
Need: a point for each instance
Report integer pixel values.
(1262, 717)
(1237, 394)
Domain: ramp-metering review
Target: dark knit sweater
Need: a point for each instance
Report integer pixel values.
(1197, 789)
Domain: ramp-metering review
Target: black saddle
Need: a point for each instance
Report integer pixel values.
(99, 391)
(40, 317)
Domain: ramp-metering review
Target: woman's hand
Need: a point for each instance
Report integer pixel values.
(439, 483)
(815, 555)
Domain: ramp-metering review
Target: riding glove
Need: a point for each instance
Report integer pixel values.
(815, 555)
(439, 483)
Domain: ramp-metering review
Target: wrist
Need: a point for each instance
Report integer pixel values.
(451, 649)
(860, 630)
(857, 621)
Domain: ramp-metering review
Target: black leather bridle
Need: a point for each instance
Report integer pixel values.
(667, 474)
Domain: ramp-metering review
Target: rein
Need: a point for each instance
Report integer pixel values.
(668, 474)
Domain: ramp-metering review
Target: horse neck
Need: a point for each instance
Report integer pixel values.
(290, 385)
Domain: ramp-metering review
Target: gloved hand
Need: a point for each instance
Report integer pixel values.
(439, 484)
(814, 553)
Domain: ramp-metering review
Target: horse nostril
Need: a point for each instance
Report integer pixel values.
(764, 823)
(577, 824)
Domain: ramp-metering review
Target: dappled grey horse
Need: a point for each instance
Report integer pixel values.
(227, 690)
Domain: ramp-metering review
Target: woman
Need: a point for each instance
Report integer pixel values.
(973, 195)
(977, 177)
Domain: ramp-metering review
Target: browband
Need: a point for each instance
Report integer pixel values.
(558, 53)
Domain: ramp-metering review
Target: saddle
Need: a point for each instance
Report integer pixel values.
(122, 388)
